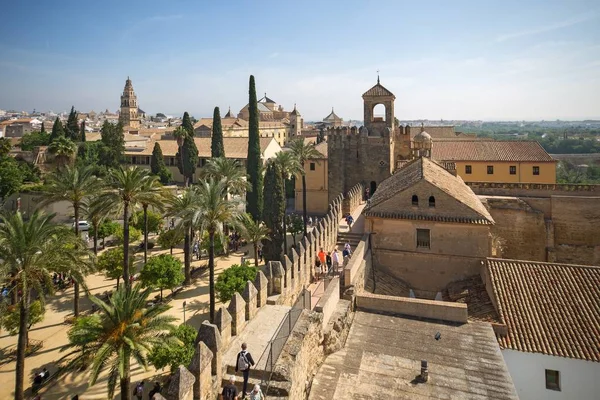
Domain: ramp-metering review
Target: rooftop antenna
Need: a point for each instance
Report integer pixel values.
(378, 77)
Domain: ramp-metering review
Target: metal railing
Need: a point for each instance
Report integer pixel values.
(283, 332)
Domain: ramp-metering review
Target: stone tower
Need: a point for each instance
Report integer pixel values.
(296, 122)
(367, 155)
(129, 107)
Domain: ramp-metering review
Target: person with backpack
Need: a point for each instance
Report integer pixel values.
(244, 362)
(138, 392)
(257, 394)
(230, 391)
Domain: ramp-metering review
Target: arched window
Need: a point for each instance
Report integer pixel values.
(431, 201)
(415, 200)
(378, 113)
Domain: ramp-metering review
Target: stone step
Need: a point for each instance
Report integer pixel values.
(277, 390)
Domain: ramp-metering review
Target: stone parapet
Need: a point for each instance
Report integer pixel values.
(533, 189)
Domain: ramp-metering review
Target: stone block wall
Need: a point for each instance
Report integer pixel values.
(277, 282)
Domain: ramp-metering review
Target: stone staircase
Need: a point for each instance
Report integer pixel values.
(277, 389)
(348, 237)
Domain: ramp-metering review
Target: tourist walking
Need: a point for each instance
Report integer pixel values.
(138, 392)
(318, 268)
(256, 393)
(322, 256)
(156, 389)
(230, 391)
(244, 362)
(335, 259)
(328, 262)
(348, 248)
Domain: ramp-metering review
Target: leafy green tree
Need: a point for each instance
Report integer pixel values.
(254, 198)
(64, 151)
(11, 177)
(31, 172)
(157, 161)
(155, 221)
(124, 191)
(11, 318)
(164, 355)
(253, 232)
(162, 272)
(303, 152)
(187, 159)
(96, 216)
(113, 149)
(274, 214)
(289, 167)
(31, 250)
(170, 238)
(5, 146)
(214, 211)
(57, 130)
(217, 149)
(75, 185)
(111, 263)
(125, 328)
(72, 128)
(34, 139)
(134, 234)
(296, 225)
(107, 227)
(82, 132)
(234, 279)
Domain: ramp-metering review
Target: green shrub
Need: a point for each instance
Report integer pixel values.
(134, 234)
(234, 279)
(11, 317)
(174, 355)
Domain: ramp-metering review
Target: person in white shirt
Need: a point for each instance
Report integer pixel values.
(335, 260)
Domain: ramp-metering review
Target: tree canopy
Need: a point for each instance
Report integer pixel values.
(234, 279)
(217, 148)
(254, 197)
(162, 272)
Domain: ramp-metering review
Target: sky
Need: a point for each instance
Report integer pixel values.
(479, 60)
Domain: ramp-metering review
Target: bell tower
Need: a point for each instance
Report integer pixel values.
(378, 109)
(129, 107)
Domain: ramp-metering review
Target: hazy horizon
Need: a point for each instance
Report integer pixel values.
(466, 60)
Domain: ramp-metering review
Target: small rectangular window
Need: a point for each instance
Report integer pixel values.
(312, 166)
(423, 239)
(552, 380)
(490, 170)
(513, 169)
(536, 170)
(468, 169)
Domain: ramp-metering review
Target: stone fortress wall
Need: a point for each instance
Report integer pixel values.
(275, 283)
(545, 222)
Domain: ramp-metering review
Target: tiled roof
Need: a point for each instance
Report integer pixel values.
(488, 150)
(322, 148)
(425, 169)
(548, 308)
(235, 147)
(378, 90)
(332, 117)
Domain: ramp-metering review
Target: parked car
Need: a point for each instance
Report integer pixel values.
(83, 226)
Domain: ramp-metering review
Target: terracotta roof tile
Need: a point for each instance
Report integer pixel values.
(548, 308)
(322, 148)
(488, 150)
(235, 147)
(425, 169)
(378, 90)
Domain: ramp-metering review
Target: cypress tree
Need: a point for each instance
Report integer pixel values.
(254, 197)
(57, 130)
(216, 145)
(274, 214)
(82, 132)
(43, 130)
(113, 144)
(72, 128)
(188, 152)
(157, 159)
(187, 124)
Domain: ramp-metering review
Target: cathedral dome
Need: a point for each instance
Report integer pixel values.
(422, 137)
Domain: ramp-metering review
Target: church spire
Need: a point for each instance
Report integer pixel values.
(378, 77)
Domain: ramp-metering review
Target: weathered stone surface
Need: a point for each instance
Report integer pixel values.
(249, 295)
(223, 321)
(237, 309)
(277, 277)
(262, 284)
(181, 385)
(201, 368)
(209, 334)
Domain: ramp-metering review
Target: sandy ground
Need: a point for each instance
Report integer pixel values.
(53, 332)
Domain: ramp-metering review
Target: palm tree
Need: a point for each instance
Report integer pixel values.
(213, 212)
(153, 197)
(253, 232)
(184, 207)
(229, 170)
(125, 190)
(75, 185)
(304, 152)
(289, 166)
(96, 216)
(124, 329)
(31, 250)
(64, 150)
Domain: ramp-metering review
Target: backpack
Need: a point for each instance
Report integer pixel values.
(242, 363)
